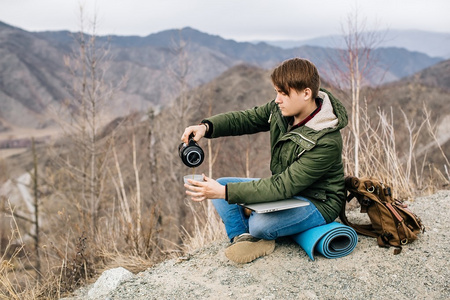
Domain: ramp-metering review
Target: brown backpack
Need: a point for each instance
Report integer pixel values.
(392, 223)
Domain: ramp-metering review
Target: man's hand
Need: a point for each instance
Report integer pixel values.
(206, 189)
(199, 131)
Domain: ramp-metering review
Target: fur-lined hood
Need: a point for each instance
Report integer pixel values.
(325, 118)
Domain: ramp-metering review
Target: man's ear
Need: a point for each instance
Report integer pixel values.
(307, 93)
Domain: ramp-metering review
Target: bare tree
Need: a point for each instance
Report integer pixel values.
(86, 160)
(36, 205)
(164, 137)
(353, 70)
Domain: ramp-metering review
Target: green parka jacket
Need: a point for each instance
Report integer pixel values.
(306, 161)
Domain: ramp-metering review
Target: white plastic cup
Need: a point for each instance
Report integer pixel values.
(196, 177)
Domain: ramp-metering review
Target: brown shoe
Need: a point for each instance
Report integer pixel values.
(246, 248)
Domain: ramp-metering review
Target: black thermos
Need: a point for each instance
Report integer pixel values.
(191, 154)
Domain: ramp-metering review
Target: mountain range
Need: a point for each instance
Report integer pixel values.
(434, 44)
(34, 76)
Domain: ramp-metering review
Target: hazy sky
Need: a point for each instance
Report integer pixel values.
(240, 20)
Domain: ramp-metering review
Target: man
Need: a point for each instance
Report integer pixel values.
(306, 162)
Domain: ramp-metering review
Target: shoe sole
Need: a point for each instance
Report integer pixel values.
(246, 251)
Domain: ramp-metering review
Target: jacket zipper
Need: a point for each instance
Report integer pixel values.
(298, 155)
(308, 140)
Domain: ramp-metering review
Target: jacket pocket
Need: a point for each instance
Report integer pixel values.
(316, 194)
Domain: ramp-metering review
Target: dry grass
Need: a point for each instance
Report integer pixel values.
(14, 264)
(208, 226)
(381, 158)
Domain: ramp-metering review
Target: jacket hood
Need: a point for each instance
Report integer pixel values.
(332, 114)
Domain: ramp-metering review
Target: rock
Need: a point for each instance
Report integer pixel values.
(108, 281)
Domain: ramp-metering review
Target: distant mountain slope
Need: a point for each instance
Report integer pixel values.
(230, 52)
(435, 76)
(33, 75)
(434, 44)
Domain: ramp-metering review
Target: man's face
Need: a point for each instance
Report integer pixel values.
(294, 104)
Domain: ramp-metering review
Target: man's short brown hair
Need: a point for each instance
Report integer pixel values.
(298, 74)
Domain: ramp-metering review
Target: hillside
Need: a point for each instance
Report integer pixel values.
(32, 77)
(421, 271)
(35, 81)
(426, 90)
(437, 76)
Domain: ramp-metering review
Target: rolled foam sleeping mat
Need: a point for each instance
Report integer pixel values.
(332, 240)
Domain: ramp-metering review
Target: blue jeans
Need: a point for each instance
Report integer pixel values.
(268, 226)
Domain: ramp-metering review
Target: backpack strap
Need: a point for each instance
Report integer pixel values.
(361, 229)
(382, 240)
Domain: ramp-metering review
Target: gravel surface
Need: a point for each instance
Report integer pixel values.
(421, 271)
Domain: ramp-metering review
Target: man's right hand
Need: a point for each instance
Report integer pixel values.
(199, 131)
